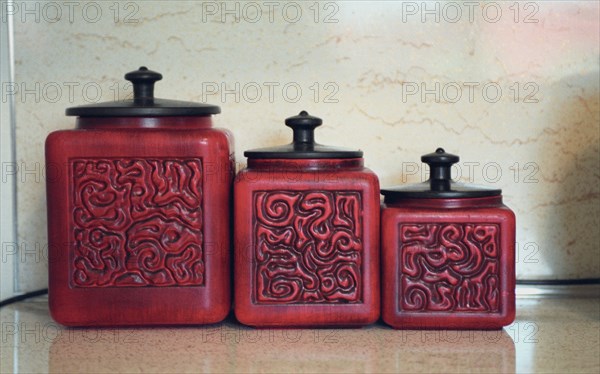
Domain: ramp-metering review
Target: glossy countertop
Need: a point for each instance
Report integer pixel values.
(550, 334)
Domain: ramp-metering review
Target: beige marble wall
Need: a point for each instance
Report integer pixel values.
(385, 76)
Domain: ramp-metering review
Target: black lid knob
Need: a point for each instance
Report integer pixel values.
(304, 127)
(144, 103)
(143, 83)
(304, 145)
(440, 164)
(440, 184)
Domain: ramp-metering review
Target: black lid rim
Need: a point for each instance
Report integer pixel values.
(423, 191)
(298, 155)
(155, 108)
(142, 111)
(391, 195)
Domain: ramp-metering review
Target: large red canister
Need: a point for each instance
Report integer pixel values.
(139, 212)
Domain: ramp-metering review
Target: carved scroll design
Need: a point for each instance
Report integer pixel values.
(308, 247)
(447, 267)
(136, 222)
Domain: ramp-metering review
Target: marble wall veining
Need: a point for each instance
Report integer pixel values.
(512, 87)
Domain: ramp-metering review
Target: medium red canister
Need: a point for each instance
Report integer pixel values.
(306, 235)
(138, 213)
(448, 253)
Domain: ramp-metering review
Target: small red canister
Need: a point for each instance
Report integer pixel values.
(448, 253)
(306, 235)
(138, 213)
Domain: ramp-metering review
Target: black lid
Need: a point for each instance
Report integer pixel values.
(440, 184)
(304, 145)
(143, 103)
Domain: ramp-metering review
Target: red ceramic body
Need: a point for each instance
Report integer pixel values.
(138, 221)
(306, 243)
(448, 263)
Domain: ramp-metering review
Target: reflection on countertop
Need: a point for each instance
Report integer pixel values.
(550, 334)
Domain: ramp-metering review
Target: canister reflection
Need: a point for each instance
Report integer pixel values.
(455, 351)
(230, 347)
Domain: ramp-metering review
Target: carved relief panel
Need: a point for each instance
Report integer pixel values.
(136, 222)
(447, 267)
(308, 247)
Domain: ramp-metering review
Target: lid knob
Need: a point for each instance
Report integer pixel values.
(440, 184)
(143, 83)
(440, 164)
(303, 146)
(304, 128)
